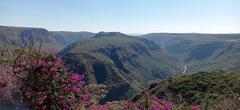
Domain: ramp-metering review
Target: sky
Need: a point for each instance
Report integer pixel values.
(128, 16)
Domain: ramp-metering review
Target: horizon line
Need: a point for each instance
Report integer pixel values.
(127, 33)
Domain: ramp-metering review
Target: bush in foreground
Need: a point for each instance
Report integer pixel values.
(42, 82)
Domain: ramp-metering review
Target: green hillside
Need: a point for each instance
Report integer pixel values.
(121, 62)
(17, 37)
(202, 52)
(212, 90)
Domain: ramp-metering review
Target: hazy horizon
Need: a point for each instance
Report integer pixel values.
(126, 16)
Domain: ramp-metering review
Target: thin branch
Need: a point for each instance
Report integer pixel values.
(19, 56)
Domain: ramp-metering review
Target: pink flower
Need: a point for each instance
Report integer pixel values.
(57, 75)
(75, 78)
(86, 98)
(102, 108)
(29, 93)
(49, 63)
(75, 89)
(155, 98)
(166, 105)
(156, 107)
(40, 62)
(53, 69)
(195, 108)
(63, 104)
(73, 98)
(98, 107)
(82, 82)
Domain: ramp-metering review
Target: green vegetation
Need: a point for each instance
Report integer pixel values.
(202, 52)
(39, 81)
(17, 37)
(211, 90)
(121, 62)
(127, 65)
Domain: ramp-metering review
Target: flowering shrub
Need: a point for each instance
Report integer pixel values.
(6, 80)
(148, 102)
(41, 81)
(6, 88)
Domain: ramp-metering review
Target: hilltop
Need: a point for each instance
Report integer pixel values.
(122, 62)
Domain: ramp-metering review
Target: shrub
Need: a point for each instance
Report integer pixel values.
(43, 82)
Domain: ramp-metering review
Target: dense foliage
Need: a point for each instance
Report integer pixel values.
(41, 81)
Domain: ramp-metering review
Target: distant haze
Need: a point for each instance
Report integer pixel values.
(128, 16)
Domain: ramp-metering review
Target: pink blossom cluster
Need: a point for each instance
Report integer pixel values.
(44, 82)
(6, 87)
(41, 81)
(148, 102)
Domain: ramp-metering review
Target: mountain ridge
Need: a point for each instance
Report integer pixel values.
(17, 37)
(201, 52)
(115, 58)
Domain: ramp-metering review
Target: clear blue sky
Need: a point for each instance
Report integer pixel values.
(128, 16)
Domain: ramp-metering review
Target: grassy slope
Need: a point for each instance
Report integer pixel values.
(205, 88)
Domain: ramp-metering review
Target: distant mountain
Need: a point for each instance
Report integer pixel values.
(121, 62)
(202, 51)
(15, 37)
(212, 90)
(66, 38)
